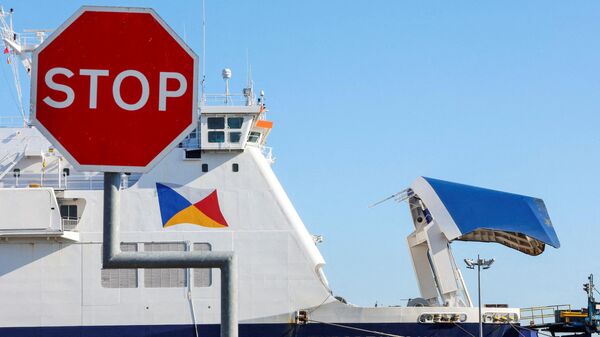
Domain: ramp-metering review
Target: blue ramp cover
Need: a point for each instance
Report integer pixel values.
(480, 214)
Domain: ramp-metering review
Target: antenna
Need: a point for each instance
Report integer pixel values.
(249, 89)
(226, 76)
(203, 96)
(399, 197)
(248, 69)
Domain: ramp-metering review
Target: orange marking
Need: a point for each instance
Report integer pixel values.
(264, 124)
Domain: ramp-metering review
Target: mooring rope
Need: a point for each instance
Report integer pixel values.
(357, 329)
(463, 329)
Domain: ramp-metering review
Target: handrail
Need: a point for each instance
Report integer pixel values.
(226, 99)
(542, 314)
(11, 122)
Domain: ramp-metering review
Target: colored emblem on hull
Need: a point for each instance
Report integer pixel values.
(176, 209)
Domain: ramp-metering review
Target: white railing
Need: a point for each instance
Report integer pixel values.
(12, 122)
(542, 315)
(223, 99)
(31, 38)
(69, 224)
(93, 181)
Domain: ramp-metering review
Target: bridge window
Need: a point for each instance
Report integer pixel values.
(164, 278)
(235, 122)
(202, 277)
(234, 137)
(217, 130)
(216, 122)
(120, 278)
(216, 136)
(254, 136)
(68, 212)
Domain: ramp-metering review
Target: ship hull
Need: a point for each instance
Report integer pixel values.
(274, 330)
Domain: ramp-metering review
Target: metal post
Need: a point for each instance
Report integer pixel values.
(229, 300)
(111, 245)
(479, 294)
(113, 258)
(486, 264)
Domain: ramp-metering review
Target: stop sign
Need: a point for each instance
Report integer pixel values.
(114, 89)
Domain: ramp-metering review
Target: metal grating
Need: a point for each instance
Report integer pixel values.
(202, 277)
(120, 278)
(164, 278)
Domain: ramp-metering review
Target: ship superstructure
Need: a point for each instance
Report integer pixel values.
(217, 191)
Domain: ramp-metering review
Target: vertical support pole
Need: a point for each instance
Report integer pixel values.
(229, 299)
(112, 201)
(479, 262)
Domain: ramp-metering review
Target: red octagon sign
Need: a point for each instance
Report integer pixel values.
(114, 89)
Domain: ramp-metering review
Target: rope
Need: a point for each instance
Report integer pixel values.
(517, 330)
(357, 329)
(318, 306)
(463, 329)
(539, 332)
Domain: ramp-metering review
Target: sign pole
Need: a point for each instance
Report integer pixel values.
(114, 258)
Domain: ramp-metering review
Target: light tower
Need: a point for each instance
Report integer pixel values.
(486, 264)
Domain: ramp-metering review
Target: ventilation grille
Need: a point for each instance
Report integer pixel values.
(202, 277)
(120, 278)
(164, 278)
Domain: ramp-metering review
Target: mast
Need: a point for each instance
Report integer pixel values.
(18, 47)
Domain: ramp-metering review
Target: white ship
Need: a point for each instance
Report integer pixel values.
(217, 191)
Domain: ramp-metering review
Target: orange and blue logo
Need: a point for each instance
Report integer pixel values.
(176, 209)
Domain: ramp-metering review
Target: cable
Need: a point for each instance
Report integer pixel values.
(189, 292)
(517, 330)
(318, 306)
(357, 329)
(537, 331)
(463, 329)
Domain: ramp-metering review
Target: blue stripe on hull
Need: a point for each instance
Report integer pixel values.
(272, 330)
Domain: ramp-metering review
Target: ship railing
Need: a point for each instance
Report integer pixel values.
(223, 99)
(69, 224)
(542, 314)
(78, 181)
(26, 41)
(29, 39)
(12, 122)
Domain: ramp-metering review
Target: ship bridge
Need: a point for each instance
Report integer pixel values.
(229, 123)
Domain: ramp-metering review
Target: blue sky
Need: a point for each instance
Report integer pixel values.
(368, 95)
